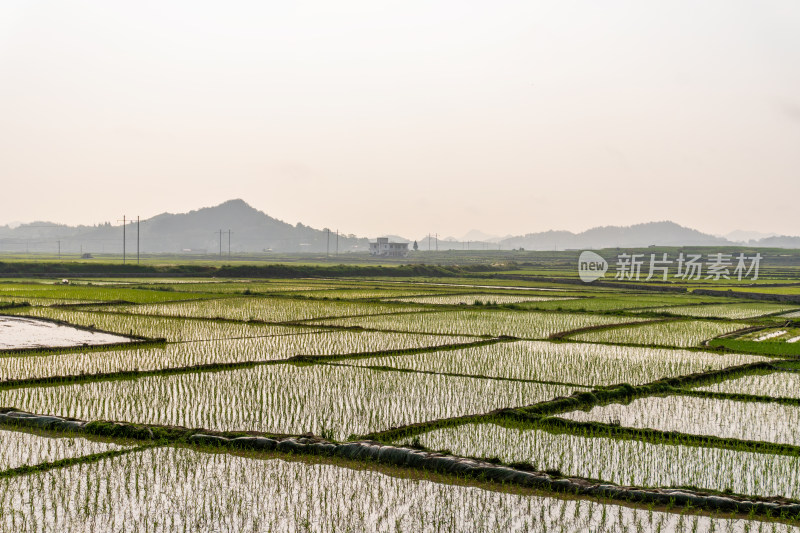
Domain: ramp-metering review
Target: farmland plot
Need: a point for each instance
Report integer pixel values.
(472, 299)
(358, 293)
(681, 333)
(168, 489)
(774, 384)
(18, 332)
(225, 351)
(737, 311)
(282, 398)
(47, 302)
(171, 329)
(237, 287)
(582, 364)
(265, 309)
(20, 291)
(616, 302)
(522, 324)
(625, 462)
(755, 421)
(18, 448)
(369, 387)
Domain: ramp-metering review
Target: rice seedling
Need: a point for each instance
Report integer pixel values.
(595, 302)
(372, 293)
(753, 421)
(46, 302)
(624, 462)
(774, 384)
(737, 311)
(173, 329)
(522, 324)
(91, 293)
(582, 364)
(681, 334)
(214, 323)
(264, 309)
(475, 299)
(167, 489)
(19, 448)
(216, 352)
(338, 401)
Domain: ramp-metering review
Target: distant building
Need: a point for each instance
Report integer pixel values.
(388, 249)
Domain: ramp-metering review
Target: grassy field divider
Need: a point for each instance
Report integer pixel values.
(336, 317)
(408, 351)
(406, 457)
(562, 335)
(795, 402)
(103, 303)
(453, 374)
(624, 393)
(584, 400)
(71, 379)
(655, 436)
(760, 296)
(64, 463)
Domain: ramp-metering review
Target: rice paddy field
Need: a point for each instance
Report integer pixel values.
(133, 404)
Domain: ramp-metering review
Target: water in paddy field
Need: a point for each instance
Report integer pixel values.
(17, 332)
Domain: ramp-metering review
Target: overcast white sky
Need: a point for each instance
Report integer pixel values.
(405, 117)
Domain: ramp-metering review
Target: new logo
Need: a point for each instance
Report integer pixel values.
(591, 266)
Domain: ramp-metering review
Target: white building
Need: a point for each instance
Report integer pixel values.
(388, 249)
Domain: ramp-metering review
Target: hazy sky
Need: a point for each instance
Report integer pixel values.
(405, 117)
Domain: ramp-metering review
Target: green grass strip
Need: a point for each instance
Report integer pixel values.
(63, 463)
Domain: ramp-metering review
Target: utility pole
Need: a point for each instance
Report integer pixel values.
(437, 242)
(229, 244)
(328, 247)
(429, 242)
(220, 244)
(337, 243)
(59, 250)
(124, 223)
(137, 239)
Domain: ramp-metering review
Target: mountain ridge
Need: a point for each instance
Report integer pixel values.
(251, 230)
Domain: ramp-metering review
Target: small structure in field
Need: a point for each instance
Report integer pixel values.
(388, 249)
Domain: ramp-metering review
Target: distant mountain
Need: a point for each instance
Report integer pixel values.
(781, 241)
(254, 231)
(639, 235)
(193, 232)
(747, 236)
(477, 235)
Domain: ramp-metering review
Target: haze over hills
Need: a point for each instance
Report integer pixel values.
(193, 232)
(253, 231)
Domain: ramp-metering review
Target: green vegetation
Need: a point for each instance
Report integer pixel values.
(516, 362)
